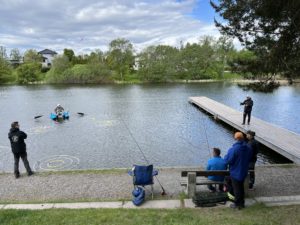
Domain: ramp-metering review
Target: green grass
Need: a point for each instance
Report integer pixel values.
(257, 214)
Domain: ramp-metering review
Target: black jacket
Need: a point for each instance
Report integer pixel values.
(248, 105)
(254, 145)
(16, 138)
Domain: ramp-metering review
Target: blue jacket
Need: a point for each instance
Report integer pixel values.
(216, 163)
(238, 158)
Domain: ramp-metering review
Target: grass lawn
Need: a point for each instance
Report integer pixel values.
(258, 214)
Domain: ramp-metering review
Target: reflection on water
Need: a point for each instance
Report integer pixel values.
(170, 131)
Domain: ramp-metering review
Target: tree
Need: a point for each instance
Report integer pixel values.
(59, 65)
(28, 72)
(15, 54)
(120, 56)
(271, 30)
(5, 71)
(158, 63)
(3, 52)
(69, 53)
(31, 56)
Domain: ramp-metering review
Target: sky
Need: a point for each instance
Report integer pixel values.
(87, 25)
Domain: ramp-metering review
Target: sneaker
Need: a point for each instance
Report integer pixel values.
(243, 123)
(17, 176)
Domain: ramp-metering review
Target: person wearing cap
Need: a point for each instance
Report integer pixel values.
(254, 145)
(237, 158)
(58, 109)
(248, 104)
(18, 147)
(216, 163)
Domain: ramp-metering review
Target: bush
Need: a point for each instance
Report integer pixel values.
(28, 73)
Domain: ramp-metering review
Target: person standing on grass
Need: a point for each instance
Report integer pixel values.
(216, 163)
(254, 145)
(238, 157)
(18, 147)
(248, 104)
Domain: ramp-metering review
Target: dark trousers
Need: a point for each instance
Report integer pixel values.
(252, 174)
(213, 188)
(23, 156)
(239, 193)
(245, 115)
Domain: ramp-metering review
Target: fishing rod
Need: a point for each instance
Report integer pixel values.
(163, 190)
(207, 142)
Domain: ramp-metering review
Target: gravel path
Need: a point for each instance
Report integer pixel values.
(95, 186)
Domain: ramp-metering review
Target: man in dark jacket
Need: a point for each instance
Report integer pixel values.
(248, 103)
(18, 148)
(238, 157)
(254, 145)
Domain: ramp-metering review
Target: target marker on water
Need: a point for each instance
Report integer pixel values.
(57, 163)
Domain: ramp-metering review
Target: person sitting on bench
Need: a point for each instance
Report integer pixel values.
(216, 163)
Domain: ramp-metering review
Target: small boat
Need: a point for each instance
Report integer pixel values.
(60, 116)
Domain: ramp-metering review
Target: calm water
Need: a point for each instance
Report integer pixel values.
(169, 130)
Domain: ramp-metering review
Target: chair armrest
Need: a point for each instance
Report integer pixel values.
(154, 172)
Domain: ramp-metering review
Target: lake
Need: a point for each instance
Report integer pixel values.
(132, 124)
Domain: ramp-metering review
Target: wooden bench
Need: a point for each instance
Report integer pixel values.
(192, 178)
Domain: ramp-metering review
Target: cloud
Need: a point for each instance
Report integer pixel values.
(85, 25)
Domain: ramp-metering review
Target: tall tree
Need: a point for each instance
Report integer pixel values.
(15, 54)
(31, 56)
(69, 53)
(270, 29)
(5, 71)
(120, 56)
(3, 52)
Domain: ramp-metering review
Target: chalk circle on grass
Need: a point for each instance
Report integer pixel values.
(57, 163)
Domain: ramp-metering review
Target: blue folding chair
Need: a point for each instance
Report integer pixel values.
(143, 176)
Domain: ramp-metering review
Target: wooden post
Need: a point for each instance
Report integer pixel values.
(191, 184)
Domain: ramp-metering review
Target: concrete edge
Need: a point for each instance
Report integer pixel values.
(150, 204)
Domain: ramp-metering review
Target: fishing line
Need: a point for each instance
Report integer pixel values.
(207, 142)
(163, 190)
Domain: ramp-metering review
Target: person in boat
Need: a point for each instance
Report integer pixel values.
(248, 103)
(58, 109)
(216, 163)
(254, 145)
(18, 147)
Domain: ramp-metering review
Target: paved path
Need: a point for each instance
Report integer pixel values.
(99, 186)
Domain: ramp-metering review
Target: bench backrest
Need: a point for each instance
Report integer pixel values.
(205, 173)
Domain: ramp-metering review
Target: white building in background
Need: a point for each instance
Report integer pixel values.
(48, 56)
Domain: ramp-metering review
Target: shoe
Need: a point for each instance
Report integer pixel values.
(243, 123)
(17, 176)
(30, 173)
(234, 206)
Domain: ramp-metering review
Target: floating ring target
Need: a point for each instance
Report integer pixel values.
(56, 163)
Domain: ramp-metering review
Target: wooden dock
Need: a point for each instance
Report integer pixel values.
(283, 141)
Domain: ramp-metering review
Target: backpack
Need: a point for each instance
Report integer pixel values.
(208, 199)
(138, 194)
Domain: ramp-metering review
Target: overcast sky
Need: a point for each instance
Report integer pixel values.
(86, 25)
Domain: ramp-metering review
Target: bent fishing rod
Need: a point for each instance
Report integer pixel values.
(163, 190)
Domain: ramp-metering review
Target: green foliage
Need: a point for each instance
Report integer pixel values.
(120, 57)
(158, 63)
(59, 65)
(5, 71)
(70, 54)
(270, 30)
(28, 73)
(31, 56)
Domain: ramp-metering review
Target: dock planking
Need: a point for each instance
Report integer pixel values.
(283, 141)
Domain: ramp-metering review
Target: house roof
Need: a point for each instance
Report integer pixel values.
(48, 51)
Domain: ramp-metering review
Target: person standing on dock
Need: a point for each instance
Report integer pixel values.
(248, 103)
(238, 157)
(254, 145)
(18, 147)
